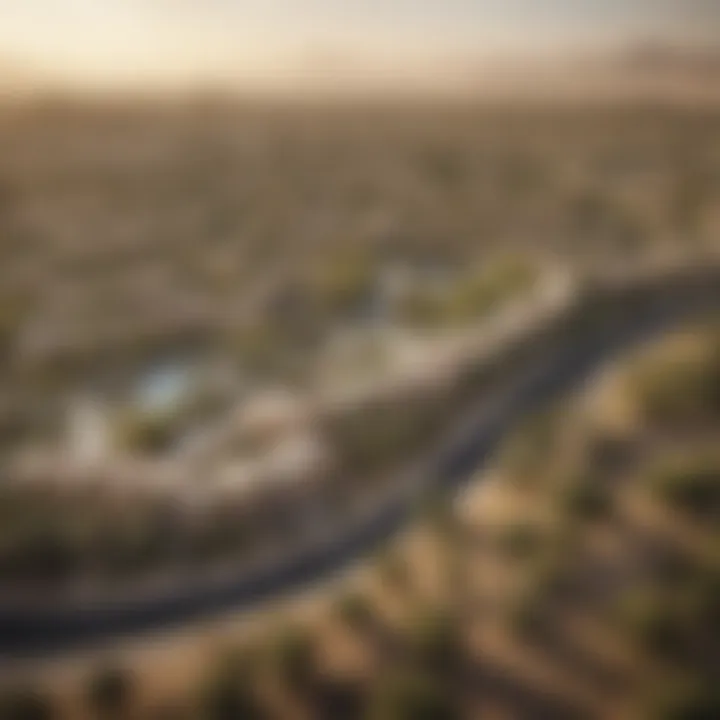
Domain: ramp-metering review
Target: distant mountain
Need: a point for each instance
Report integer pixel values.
(642, 71)
(653, 57)
(17, 77)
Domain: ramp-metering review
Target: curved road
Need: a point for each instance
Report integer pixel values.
(557, 358)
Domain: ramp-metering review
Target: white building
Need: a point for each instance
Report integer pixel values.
(89, 436)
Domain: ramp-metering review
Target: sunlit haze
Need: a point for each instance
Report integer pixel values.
(251, 43)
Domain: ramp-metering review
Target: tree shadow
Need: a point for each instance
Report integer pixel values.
(335, 698)
(521, 700)
(580, 663)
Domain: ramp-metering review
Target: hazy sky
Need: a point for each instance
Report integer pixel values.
(135, 41)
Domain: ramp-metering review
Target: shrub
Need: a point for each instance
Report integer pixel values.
(707, 592)
(294, 657)
(420, 308)
(528, 612)
(526, 618)
(344, 282)
(653, 622)
(435, 639)
(587, 498)
(678, 387)
(520, 540)
(172, 710)
(110, 692)
(692, 485)
(437, 509)
(45, 551)
(342, 698)
(394, 570)
(227, 696)
(479, 293)
(228, 692)
(694, 701)
(25, 704)
(145, 432)
(355, 610)
(526, 453)
(698, 597)
(607, 453)
(239, 662)
(405, 696)
(674, 567)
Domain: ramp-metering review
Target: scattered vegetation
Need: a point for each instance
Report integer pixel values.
(586, 498)
(294, 657)
(653, 622)
(110, 693)
(227, 693)
(435, 640)
(681, 385)
(691, 485)
(689, 701)
(405, 696)
(356, 610)
(520, 541)
(25, 704)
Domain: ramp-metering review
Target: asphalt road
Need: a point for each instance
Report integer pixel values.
(548, 373)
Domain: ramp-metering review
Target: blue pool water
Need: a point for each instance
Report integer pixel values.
(164, 386)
